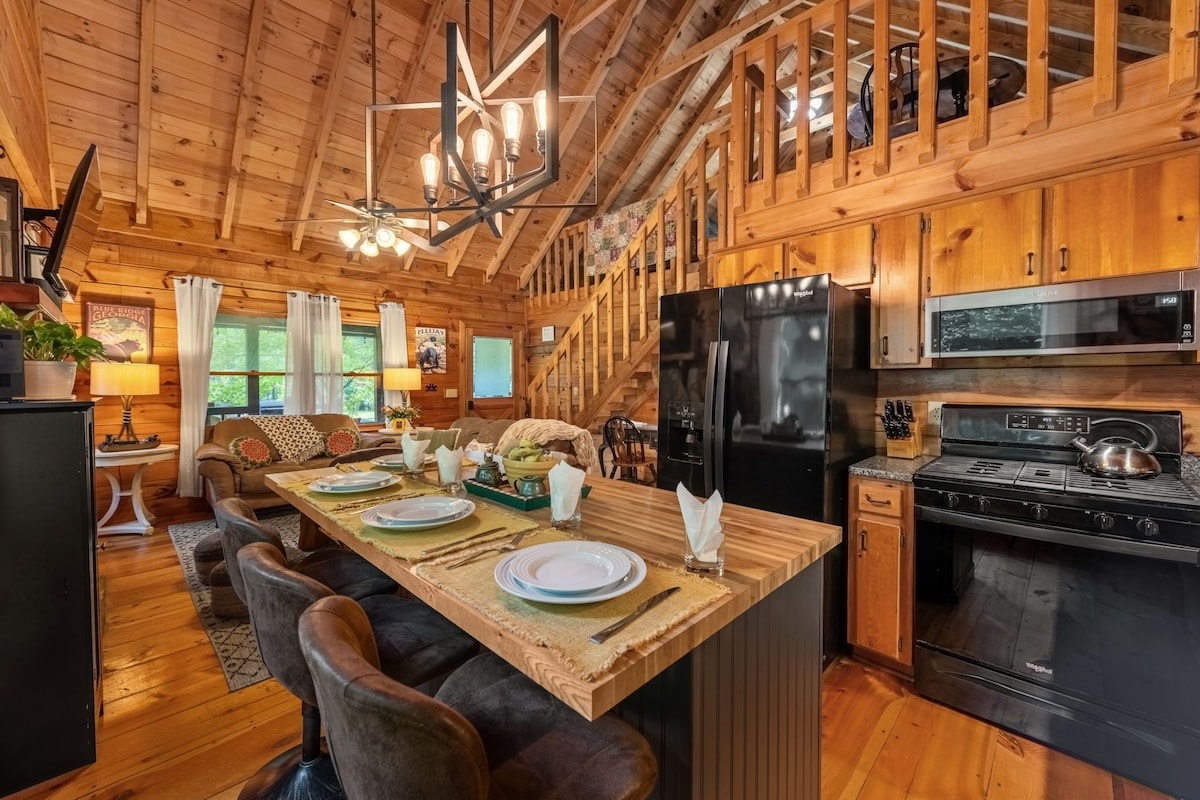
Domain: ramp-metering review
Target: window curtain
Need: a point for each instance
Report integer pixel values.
(196, 302)
(393, 344)
(313, 379)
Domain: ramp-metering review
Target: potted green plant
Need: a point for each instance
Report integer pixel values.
(47, 346)
(400, 418)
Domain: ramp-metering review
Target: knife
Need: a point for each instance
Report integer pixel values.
(600, 636)
(908, 412)
(889, 408)
(457, 542)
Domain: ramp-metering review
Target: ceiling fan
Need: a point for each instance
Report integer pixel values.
(378, 225)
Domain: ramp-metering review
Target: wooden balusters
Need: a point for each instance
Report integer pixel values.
(1037, 73)
(1104, 97)
(927, 86)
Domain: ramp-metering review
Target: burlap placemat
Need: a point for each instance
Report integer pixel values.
(346, 509)
(564, 629)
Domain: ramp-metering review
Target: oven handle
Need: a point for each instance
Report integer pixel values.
(1159, 552)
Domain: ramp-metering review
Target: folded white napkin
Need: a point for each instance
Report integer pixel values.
(414, 451)
(702, 523)
(566, 483)
(449, 464)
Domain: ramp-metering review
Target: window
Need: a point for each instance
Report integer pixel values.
(248, 362)
(492, 365)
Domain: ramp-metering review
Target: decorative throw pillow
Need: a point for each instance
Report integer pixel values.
(341, 441)
(252, 452)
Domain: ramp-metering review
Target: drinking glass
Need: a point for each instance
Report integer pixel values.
(714, 564)
(450, 477)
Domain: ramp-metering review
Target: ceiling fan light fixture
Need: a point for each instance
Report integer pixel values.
(401, 247)
(349, 237)
(385, 237)
(369, 248)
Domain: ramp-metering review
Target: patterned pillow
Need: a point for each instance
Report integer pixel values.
(341, 441)
(253, 453)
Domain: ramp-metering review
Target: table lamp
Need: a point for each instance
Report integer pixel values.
(402, 379)
(125, 379)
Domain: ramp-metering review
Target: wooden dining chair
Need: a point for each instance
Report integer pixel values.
(627, 447)
(488, 732)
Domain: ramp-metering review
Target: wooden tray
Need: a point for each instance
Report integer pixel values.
(508, 496)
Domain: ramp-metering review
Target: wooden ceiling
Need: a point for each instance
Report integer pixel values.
(245, 112)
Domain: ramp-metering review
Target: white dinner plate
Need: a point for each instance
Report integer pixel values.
(631, 581)
(569, 568)
(348, 482)
(418, 513)
(396, 460)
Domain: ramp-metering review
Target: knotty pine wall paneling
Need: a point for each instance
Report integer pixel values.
(24, 120)
(138, 266)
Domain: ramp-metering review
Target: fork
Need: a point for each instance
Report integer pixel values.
(504, 548)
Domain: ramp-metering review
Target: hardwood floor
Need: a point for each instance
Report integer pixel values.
(172, 731)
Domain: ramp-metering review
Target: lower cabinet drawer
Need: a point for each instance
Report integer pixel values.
(885, 499)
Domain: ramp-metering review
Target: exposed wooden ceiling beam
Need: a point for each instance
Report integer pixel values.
(141, 208)
(604, 65)
(725, 35)
(333, 96)
(245, 107)
(583, 13)
(614, 130)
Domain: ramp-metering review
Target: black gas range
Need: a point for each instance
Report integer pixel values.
(1062, 605)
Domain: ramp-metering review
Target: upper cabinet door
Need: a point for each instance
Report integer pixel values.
(1140, 219)
(897, 294)
(985, 245)
(846, 254)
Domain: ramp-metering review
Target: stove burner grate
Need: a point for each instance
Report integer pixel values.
(1158, 489)
(974, 470)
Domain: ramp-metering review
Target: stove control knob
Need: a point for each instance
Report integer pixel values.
(952, 500)
(1104, 521)
(1039, 512)
(984, 505)
(1147, 527)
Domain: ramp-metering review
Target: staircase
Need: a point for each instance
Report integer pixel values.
(606, 362)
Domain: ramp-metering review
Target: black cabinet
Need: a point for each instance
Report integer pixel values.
(49, 627)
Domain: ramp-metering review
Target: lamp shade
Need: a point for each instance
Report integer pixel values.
(123, 378)
(402, 378)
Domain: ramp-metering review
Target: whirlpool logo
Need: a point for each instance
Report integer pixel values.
(1041, 669)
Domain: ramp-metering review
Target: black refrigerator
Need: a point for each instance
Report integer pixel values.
(766, 394)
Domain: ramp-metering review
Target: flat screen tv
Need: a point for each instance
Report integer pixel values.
(78, 220)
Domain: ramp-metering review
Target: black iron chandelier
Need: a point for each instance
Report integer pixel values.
(496, 179)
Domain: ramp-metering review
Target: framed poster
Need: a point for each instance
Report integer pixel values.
(431, 349)
(126, 329)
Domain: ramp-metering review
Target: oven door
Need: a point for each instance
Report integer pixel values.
(1087, 644)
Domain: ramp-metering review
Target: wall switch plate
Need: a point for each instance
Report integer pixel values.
(451, 394)
(935, 412)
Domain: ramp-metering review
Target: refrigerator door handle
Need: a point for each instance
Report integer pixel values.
(719, 417)
(707, 426)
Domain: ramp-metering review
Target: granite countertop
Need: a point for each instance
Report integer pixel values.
(894, 469)
(1190, 472)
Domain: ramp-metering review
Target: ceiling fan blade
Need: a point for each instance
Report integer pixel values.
(352, 209)
(414, 239)
(320, 219)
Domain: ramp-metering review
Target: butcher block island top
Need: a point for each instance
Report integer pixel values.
(763, 552)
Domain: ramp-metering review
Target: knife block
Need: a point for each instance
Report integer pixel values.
(910, 447)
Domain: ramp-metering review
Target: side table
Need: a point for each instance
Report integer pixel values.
(107, 463)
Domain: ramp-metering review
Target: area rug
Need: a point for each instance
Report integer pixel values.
(232, 639)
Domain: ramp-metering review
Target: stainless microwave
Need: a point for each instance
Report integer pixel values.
(1131, 314)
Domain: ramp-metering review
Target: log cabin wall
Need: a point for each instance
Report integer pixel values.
(24, 126)
(137, 265)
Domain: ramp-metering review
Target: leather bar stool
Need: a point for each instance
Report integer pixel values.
(490, 732)
(343, 571)
(416, 645)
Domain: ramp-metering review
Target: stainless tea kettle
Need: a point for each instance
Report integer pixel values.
(1113, 460)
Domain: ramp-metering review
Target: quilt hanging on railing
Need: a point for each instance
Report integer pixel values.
(610, 234)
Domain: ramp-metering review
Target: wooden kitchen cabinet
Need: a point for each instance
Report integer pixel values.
(848, 255)
(896, 295)
(880, 555)
(1139, 219)
(989, 244)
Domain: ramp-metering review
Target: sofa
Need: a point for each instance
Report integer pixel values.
(485, 431)
(227, 475)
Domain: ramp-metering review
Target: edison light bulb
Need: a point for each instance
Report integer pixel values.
(369, 248)
(539, 113)
(385, 237)
(349, 237)
(511, 116)
(481, 148)
(429, 176)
